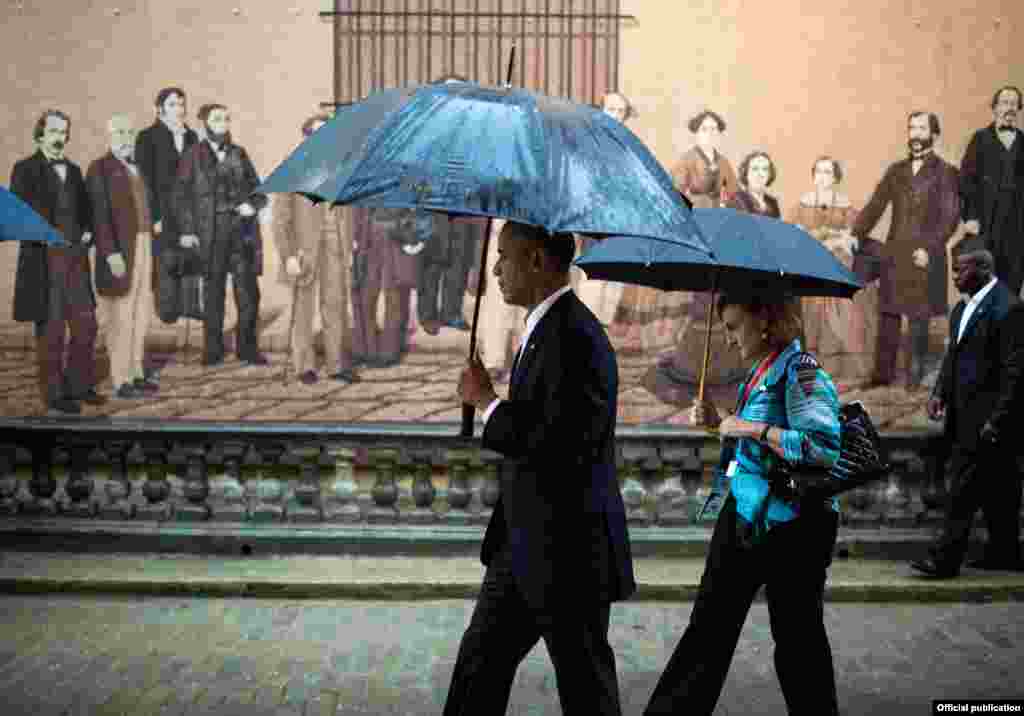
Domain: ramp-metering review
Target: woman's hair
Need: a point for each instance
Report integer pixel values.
(781, 311)
(698, 120)
(837, 169)
(745, 166)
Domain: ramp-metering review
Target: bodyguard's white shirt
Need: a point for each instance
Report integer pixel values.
(971, 306)
(531, 322)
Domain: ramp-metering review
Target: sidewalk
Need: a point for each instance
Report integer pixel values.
(422, 578)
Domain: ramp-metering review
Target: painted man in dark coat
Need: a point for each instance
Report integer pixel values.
(216, 210)
(52, 287)
(911, 263)
(992, 187)
(158, 151)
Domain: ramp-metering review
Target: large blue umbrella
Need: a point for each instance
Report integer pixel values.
(750, 253)
(462, 148)
(20, 222)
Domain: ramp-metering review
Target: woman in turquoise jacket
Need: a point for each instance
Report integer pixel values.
(787, 409)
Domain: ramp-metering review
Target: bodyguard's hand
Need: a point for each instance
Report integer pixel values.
(117, 265)
(921, 258)
(936, 408)
(475, 387)
(189, 241)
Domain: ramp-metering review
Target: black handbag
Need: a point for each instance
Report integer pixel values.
(861, 460)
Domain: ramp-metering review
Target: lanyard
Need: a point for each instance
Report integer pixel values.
(761, 370)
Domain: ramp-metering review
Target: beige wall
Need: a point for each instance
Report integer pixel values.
(794, 77)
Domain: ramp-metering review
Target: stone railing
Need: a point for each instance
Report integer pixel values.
(368, 479)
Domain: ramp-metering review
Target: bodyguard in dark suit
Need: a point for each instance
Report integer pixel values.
(992, 187)
(556, 549)
(973, 394)
(52, 287)
(158, 151)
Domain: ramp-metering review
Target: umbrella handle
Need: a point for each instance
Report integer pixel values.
(707, 340)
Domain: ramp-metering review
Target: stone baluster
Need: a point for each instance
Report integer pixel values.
(305, 506)
(341, 498)
(385, 490)
(196, 489)
(459, 492)
(9, 483)
(490, 490)
(118, 487)
(227, 491)
(674, 505)
(423, 490)
(266, 493)
(157, 489)
(634, 494)
(933, 490)
(898, 507)
(79, 486)
(43, 485)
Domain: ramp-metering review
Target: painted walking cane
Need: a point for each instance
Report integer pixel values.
(468, 411)
(291, 321)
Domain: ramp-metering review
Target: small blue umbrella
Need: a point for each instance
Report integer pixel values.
(20, 222)
(750, 253)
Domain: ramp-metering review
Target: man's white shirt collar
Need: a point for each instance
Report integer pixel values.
(972, 304)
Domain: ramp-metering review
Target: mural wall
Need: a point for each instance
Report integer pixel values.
(788, 109)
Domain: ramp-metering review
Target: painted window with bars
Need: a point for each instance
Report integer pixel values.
(564, 48)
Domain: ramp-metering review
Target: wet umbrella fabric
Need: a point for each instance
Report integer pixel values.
(462, 148)
(751, 253)
(20, 222)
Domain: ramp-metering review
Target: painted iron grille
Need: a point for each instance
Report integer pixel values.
(564, 48)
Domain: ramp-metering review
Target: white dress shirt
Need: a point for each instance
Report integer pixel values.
(532, 319)
(220, 152)
(971, 306)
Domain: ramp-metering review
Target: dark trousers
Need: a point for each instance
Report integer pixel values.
(75, 375)
(791, 563)
(370, 341)
(235, 258)
(503, 630)
(888, 347)
(987, 479)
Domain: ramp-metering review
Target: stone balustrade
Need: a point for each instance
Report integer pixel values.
(301, 476)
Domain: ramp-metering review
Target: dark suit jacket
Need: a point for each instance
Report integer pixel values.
(981, 173)
(973, 379)
(158, 160)
(37, 183)
(560, 507)
(1009, 413)
(116, 221)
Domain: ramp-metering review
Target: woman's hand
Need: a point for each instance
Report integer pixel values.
(705, 415)
(733, 427)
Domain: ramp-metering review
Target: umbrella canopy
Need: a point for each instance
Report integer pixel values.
(750, 253)
(20, 222)
(462, 148)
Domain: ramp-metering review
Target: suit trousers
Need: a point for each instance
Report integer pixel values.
(71, 310)
(124, 319)
(986, 478)
(888, 347)
(331, 285)
(234, 257)
(791, 564)
(503, 630)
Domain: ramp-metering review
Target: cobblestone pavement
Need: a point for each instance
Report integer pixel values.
(104, 655)
(421, 388)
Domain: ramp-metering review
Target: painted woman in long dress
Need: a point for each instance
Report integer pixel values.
(707, 179)
(839, 331)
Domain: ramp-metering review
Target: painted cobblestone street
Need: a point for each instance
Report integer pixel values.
(72, 654)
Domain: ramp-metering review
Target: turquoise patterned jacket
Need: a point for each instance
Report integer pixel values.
(809, 417)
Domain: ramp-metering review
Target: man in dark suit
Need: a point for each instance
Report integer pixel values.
(158, 150)
(556, 548)
(52, 286)
(992, 187)
(974, 396)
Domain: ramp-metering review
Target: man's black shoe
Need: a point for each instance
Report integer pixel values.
(211, 361)
(91, 397)
(932, 569)
(346, 376)
(385, 361)
(65, 405)
(996, 565)
(128, 391)
(308, 377)
(258, 359)
(145, 386)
